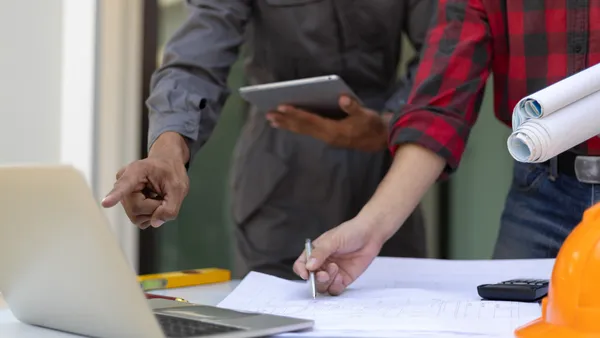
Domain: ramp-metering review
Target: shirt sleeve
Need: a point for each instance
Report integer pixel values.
(418, 14)
(189, 89)
(449, 85)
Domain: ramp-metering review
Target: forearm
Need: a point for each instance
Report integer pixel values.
(429, 134)
(171, 145)
(189, 89)
(414, 171)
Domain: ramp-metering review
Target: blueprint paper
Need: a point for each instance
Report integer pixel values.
(400, 310)
(6, 316)
(459, 278)
(390, 334)
(556, 118)
(455, 276)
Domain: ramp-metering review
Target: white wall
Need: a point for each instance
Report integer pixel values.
(118, 97)
(30, 80)
(47, 64)
(69, 90)
(78, 85)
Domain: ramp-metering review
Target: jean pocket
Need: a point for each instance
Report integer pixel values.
(527, 177)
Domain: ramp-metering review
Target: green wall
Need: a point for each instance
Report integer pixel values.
(479, 187)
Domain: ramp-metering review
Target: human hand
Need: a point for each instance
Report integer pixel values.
(363, 129)
(151, 190)
(340, 255)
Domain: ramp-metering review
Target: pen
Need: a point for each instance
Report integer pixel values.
(177, 299)
(311, 275)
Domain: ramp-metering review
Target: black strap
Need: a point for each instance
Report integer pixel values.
(563, 164)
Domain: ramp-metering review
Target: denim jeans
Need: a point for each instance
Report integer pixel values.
(540, 212)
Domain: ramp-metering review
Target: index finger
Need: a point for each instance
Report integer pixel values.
(304, 122)
(299, 114)
(129, 182)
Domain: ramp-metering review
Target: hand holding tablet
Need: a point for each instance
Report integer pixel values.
(332, 113)
(318, 95)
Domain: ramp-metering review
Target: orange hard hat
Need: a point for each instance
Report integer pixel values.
(572, 306)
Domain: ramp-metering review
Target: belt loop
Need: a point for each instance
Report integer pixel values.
(553, 175)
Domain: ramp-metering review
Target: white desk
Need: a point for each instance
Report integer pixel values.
(10, 327)
(456, 276)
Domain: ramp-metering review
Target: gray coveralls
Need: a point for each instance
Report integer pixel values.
(287, 187)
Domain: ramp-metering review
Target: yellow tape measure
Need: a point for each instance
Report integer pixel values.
(185, 278)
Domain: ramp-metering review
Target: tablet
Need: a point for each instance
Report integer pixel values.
(319, 95)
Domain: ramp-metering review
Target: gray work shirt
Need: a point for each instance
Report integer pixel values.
(359, 40)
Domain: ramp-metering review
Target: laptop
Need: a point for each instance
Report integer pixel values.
(62, 268)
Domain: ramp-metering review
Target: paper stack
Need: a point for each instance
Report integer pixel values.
(556, 118)
(400, 298)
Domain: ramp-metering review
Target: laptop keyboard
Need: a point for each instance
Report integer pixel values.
(174, 327)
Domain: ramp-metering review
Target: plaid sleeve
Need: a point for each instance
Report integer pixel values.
(449, 85)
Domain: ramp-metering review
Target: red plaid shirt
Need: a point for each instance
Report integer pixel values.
(526, 44)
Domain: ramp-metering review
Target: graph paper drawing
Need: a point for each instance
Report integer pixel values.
(389, 309)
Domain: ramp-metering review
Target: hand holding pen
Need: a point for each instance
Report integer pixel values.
(339, 256)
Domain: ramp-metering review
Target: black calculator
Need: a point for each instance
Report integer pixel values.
(515, 290)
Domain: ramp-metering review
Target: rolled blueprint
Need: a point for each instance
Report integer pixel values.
(556, 96)
(538, 140)
(556, 118)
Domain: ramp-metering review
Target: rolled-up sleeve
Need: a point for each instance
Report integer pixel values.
(418, 16)
(446, 97)
(189, 89)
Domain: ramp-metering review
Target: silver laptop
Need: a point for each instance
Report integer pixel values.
(62, 268)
